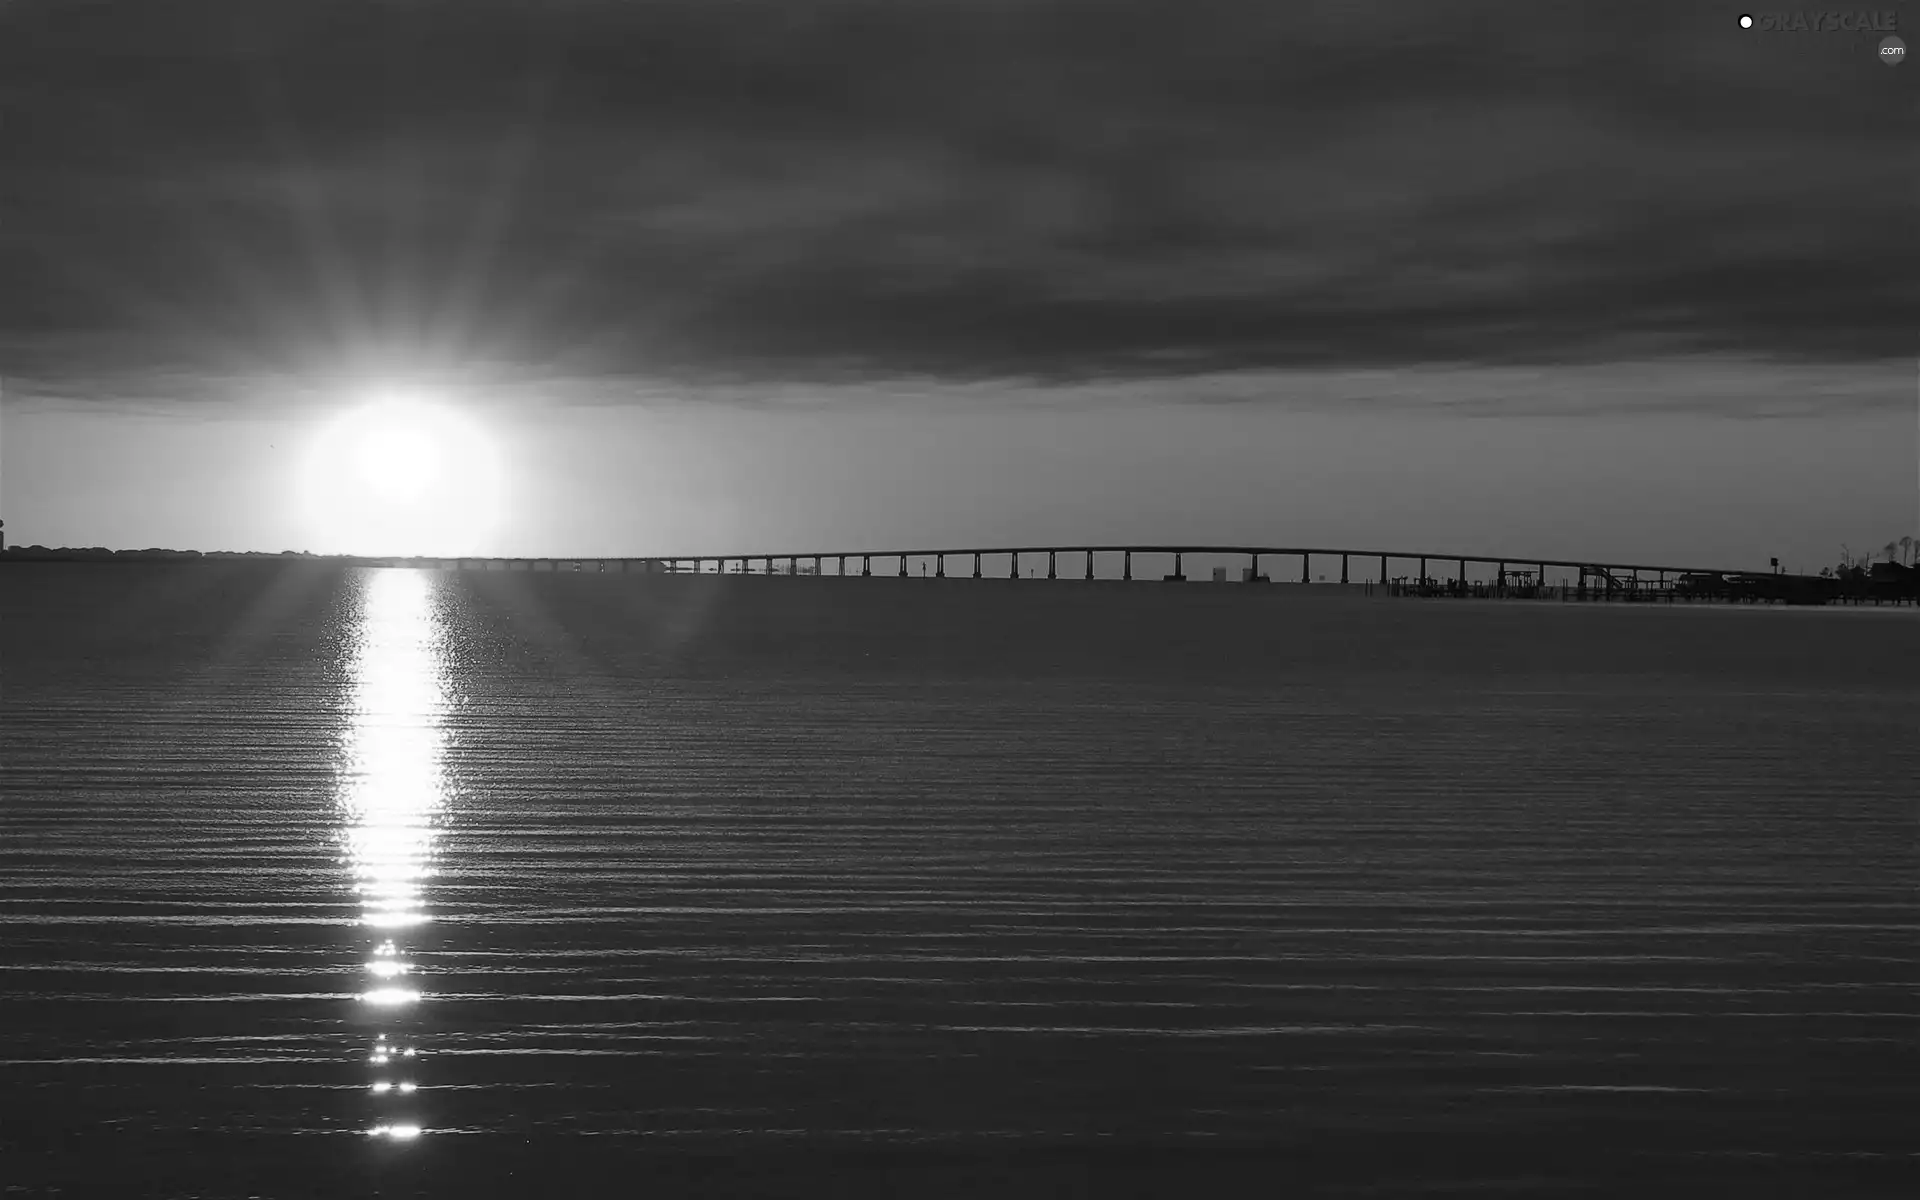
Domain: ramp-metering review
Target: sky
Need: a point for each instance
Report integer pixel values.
(1611, 280)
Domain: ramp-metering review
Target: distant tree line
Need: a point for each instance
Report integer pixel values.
(1859, 576)
(72, 553)
(1900, 552)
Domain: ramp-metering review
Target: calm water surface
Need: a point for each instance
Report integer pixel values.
(391, 881)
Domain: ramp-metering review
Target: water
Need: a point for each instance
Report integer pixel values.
(423, 883)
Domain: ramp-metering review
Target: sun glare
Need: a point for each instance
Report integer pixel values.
(398, 462)
(400, 475)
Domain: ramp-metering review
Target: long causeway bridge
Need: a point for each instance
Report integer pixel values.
(1356, 566)
(1371, 571)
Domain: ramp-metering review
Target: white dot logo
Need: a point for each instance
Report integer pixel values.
(1746, 22)
(1893, 51)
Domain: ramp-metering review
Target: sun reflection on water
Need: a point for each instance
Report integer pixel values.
(393, 797)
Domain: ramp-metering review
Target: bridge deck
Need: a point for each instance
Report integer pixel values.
(1179, 551)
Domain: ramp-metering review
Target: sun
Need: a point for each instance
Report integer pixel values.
(397, 456)
(402, 475)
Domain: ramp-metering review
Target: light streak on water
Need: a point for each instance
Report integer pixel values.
(393, 797)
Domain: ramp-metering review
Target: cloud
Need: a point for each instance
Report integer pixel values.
(745, 195)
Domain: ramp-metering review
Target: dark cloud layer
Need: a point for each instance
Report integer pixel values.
(1057, 189)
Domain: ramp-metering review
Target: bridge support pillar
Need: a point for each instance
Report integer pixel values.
(1050, 566)
(1013, 565)
(1423, 572)
(1126, 570)
(1253, 573)
(1463, 575)
(976, 564)
(866, 564)
(1383, 568)
(903, 566)
(1343, 568)
(940, 567)
(1306, 566)
(1089, 564)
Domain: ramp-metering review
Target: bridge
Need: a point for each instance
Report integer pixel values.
(1506, 571)
(1510, 576)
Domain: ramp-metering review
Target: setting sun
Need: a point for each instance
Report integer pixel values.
(397, 460)
(401, 475)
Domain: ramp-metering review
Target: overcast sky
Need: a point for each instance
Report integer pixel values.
(912, 270)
